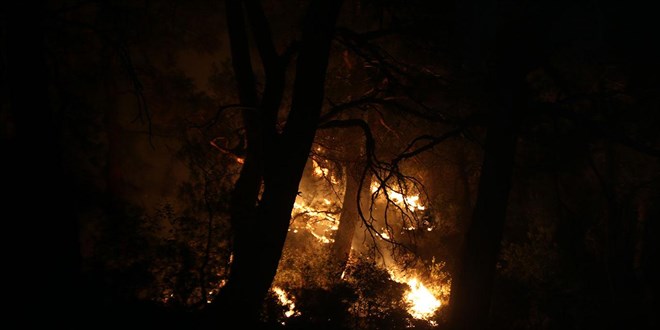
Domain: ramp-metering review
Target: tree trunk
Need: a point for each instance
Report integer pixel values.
(349, 218)
(471, 291)
(472, 284)
(260, 230)
(341, 248)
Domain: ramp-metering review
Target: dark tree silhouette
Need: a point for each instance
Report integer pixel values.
(268, 184)
(500, 42)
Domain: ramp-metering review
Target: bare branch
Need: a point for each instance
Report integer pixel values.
(432, 142)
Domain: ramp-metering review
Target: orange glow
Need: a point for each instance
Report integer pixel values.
(385, 235)
(318, 170)
(224, 150)
(320, 224)
(313, 215)
(422, 302)
(323, 172)
(286, 301)
(411, 202)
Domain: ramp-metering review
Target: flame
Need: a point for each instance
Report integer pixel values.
(319, 223)
(422, 303)
(285, 301)
(385, 235)
(323, 172)
(224, 150)
(318, 170)
(410, 202)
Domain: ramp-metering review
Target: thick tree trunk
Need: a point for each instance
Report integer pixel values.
(472, 284)
(348, 220)
(233, 301)
(341, 248)
(260, 230)
(471, 291)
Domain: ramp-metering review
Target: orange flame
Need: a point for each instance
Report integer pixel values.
(320, 223)
(410, 202)
(286, 301)
(422, 302)
(323, 172)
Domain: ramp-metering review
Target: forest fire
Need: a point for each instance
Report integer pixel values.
(409, 202)
(422, 302)
(323, 172)
(317, 218)
(285, 301)
(172, 139)
(319, 223)
(318, 170)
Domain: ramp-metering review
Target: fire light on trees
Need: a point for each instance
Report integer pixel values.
(316, 212)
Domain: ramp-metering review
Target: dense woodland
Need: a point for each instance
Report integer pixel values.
(328, 164)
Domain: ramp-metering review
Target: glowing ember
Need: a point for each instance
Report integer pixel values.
(224, 150)
(423, 303)
(285, 301)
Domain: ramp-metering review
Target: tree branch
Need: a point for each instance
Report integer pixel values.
(432, 142)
